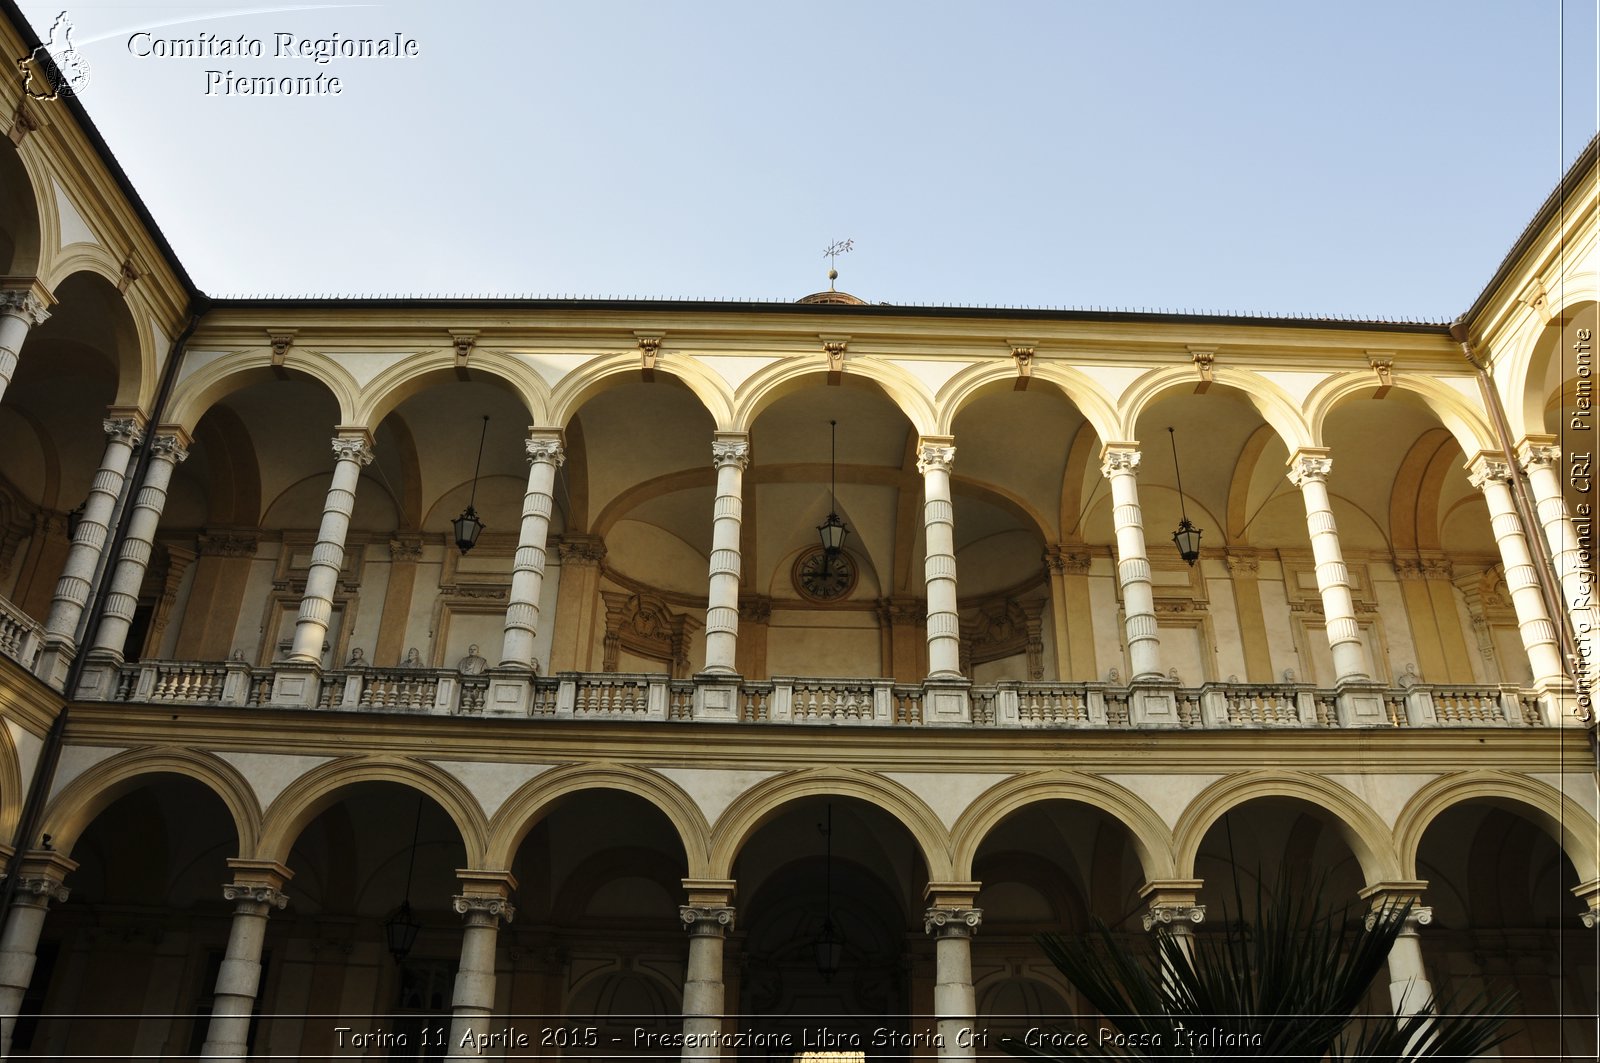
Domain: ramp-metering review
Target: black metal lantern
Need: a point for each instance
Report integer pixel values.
(833, 531)
(401, 928)
(829, 943)
(1187, 537)
(468, 527)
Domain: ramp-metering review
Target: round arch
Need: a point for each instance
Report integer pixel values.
(11, 795)
(786, 377)
(760, 803)
(536, 797)
(1151, 838)
(1366, 834)
(312, 793)
(84, 798)
(1537, 338)
(1274, 405)
(599, 374)
(217, 380)
(1573, 828)
(413, 375)
(1452, 409)
(1075, 386)
(23, 215)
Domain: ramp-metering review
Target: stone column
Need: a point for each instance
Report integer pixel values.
(1173, 908)
(352, 449)
(952, 920)
(40, 875)
(1541, 457)
(934, 458)
(123, 434)
(1119, 463)
(1491, 475)
(707, 917)
(20, 310)
(168, 449)
(545, 455)
(1309, 469)
(1409, 990)
(730, 453)
(485, 902)
(256, 889)
(1589, 894)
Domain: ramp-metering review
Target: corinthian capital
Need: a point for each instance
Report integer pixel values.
(935, 456)
(730, 452)
(1119, 458)
(25, 304)
(1308, 466)
(125, 430)
(169, 448)
(545, 448)
(1488, 468)
(353, 448)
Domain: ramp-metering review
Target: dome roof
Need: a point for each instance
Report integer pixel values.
(831, 296)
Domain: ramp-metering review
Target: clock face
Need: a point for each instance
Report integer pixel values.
(822, 578)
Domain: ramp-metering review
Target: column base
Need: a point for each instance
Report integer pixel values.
(1360, 703)
(296, 685)
(716, 697)
(1560, 705)
(510, 692)
(946, 701)
(1153, 703)
(98, 679)
(55, 660)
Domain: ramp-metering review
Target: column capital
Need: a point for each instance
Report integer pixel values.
(1382, 895)
(124, 424)
(1061, 560)
(1172, 901)
(257, 880)
(1486, 467)
(1589, 894)
(1242, 562)
(730, 448)
(486, 894)
(704, 920)
(171, 443)
(545, 444)
(951, 922)
(1121, 457)
(28, 300)
(353, 444)
(42, 873)
(1539, 450)
(581, 549)
(1310, 464)
(935, 452)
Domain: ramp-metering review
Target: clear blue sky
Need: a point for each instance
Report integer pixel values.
(1369, 159)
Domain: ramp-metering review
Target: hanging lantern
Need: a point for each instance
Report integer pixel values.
(833, 531)
(1187, 537)
(468, 527)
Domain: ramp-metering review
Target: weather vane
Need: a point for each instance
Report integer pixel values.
(835, 249)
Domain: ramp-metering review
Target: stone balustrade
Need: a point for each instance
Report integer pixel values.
(21, 637)
(817, 701)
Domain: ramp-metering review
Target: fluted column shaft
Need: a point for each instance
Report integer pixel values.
(934, 459)
(255, 891)
(123, 597)
(40, 878)
(730, 453)
(484, 903)
(20, 311)
(352, 450)
(955, 1003)
(77, 575)
(1491, 475)
(703, 987)
(1309, 471)
(545, 455)
(1120, 465)
(1541, 458)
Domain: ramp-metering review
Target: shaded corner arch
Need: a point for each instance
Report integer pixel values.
(23, 212)
(415, 374)
(1274, 405)
(786, 377)
(1075, 386)
(1360, 826)
(11, 794)
(1454, 410)
(72, 810)
(536, 797)
(1152, 840)
(215, 381)
(599, 374)
(1573, 828)
(312, 793)
(761, 803)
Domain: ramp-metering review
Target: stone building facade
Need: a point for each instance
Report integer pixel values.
(627, 758)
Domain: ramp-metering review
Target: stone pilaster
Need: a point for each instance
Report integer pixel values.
(935, 456)
(484, 903)
(730, 454)
(1409, 991)
(256, 889)
(708, 917)
(953, 920)
(168, 449)
(545, 456)
(352, 450)
(40, 879)
(1119, 463)
(21, 309)
(577, 603)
